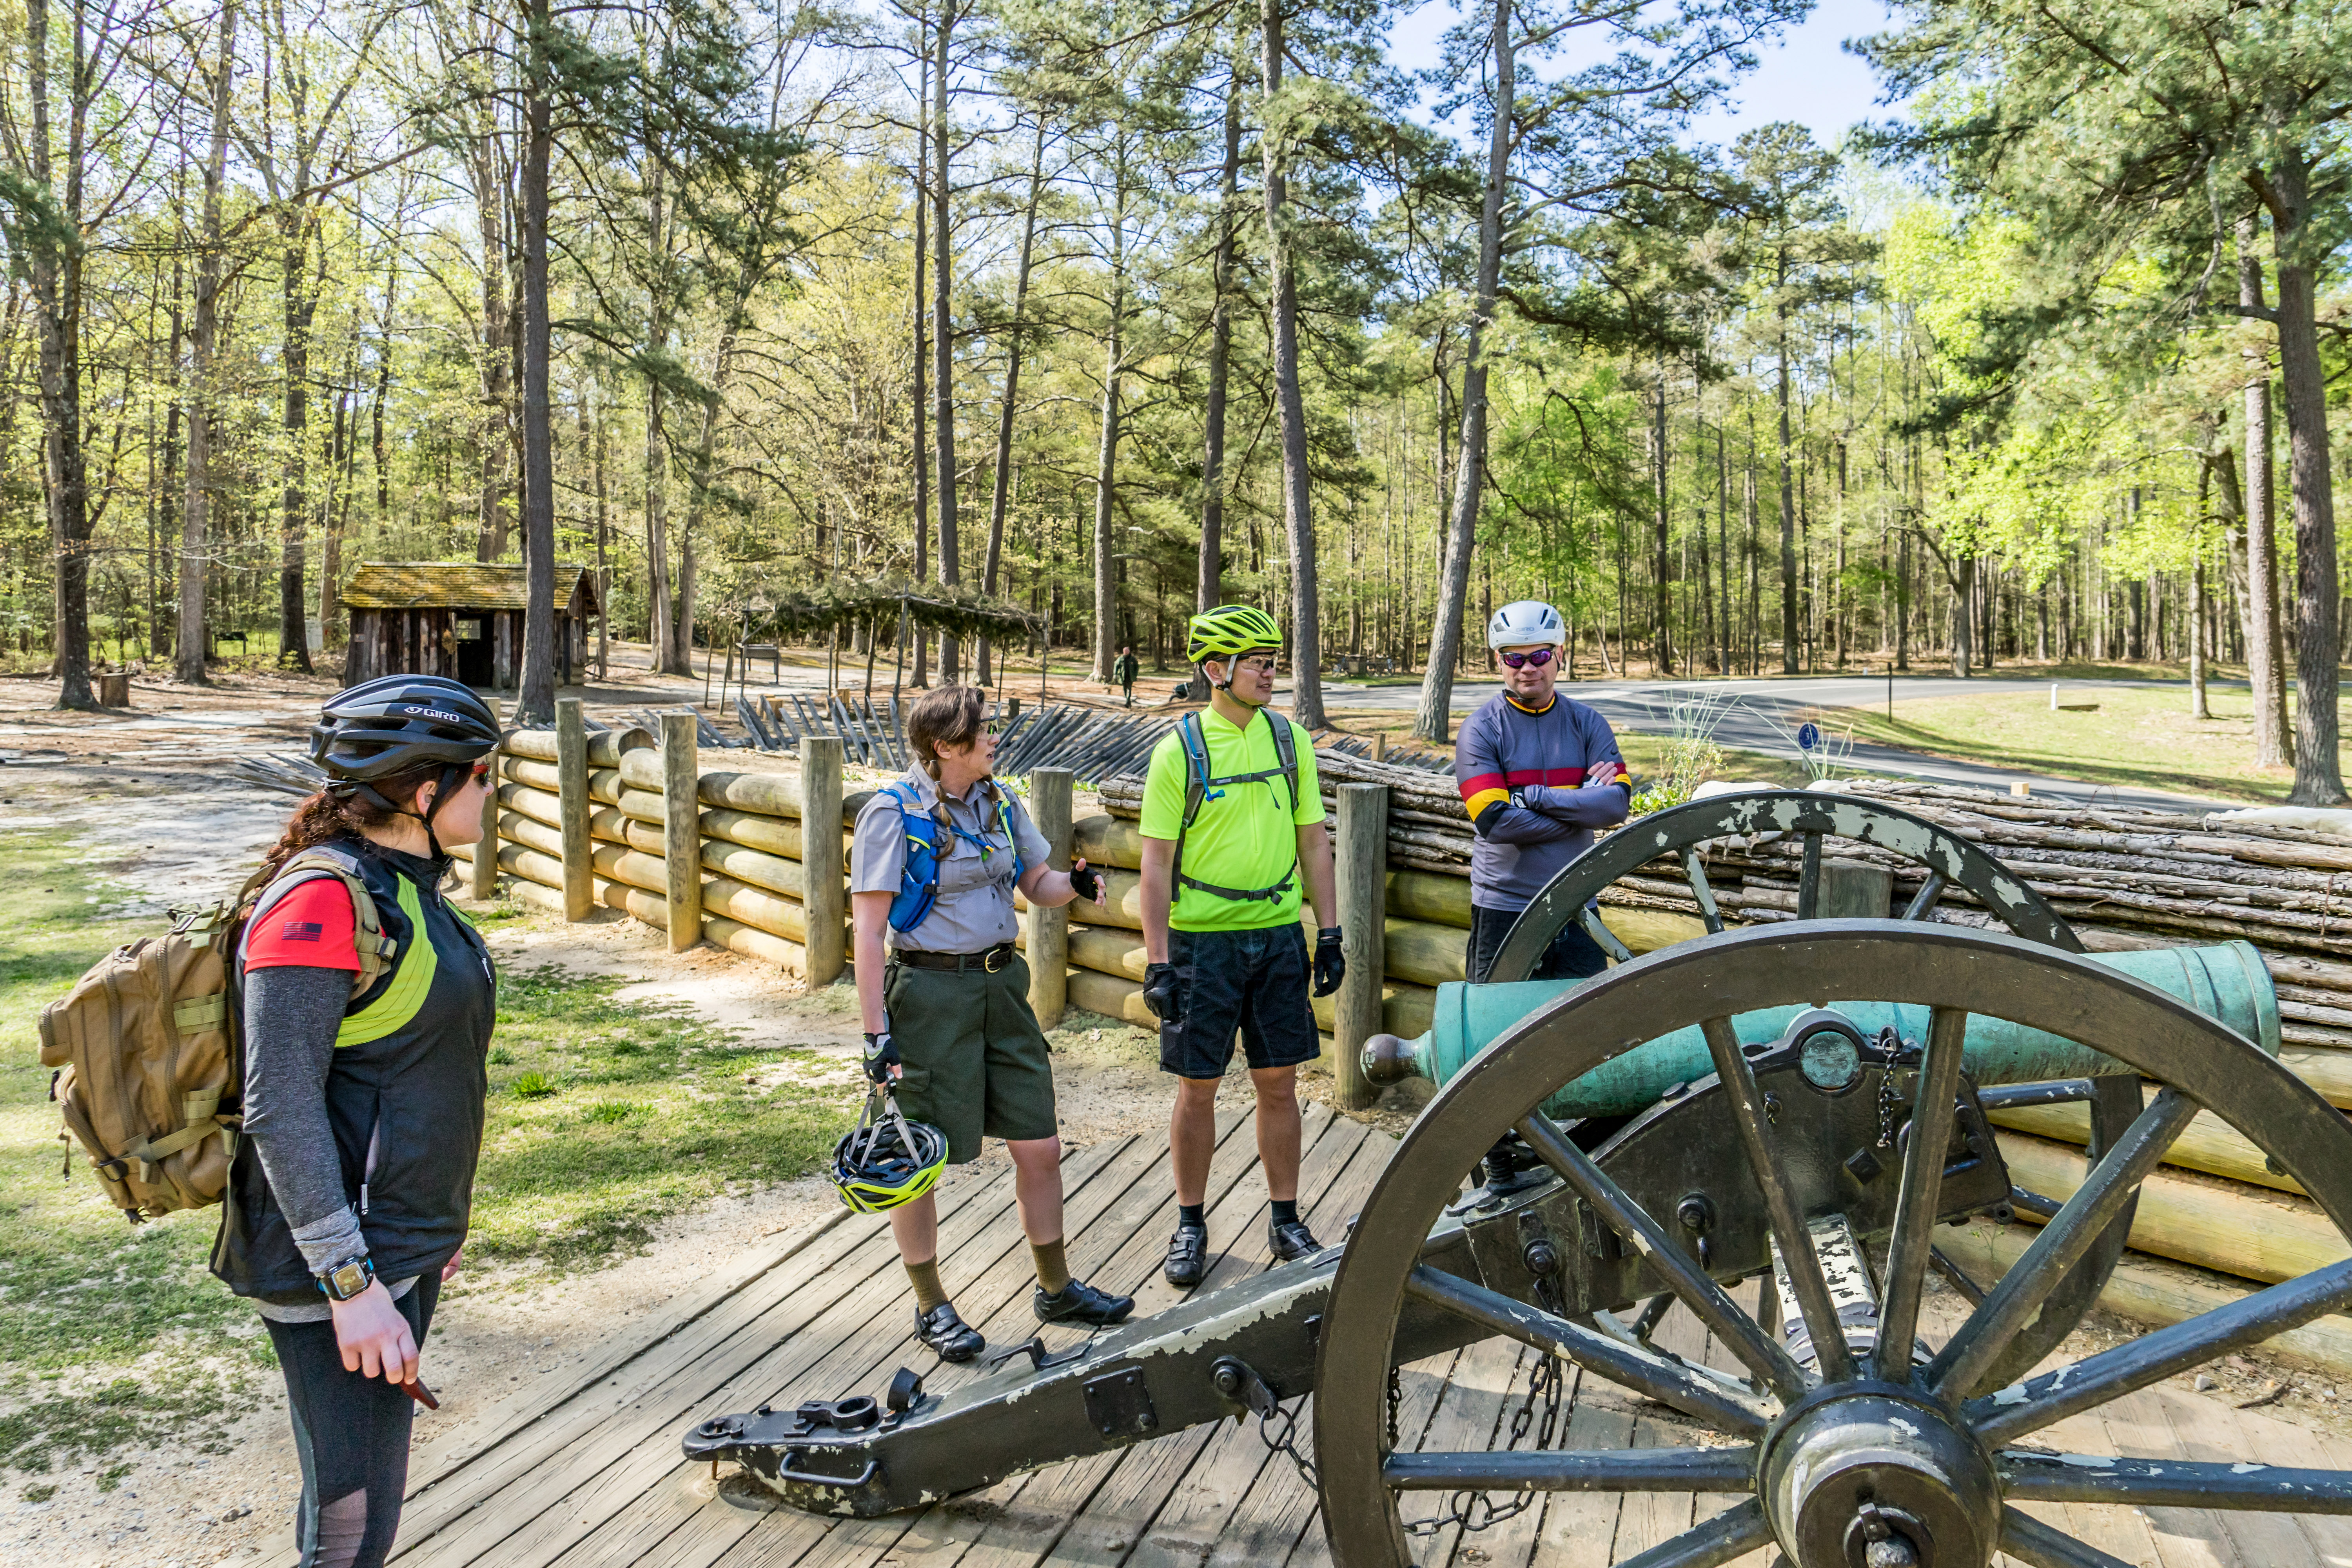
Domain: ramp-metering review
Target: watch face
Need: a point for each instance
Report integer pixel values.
(349, 1281)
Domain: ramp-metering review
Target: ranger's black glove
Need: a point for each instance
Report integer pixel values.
(1330, 963)
(1085, 882)
(1160, 991)
(881, 1057)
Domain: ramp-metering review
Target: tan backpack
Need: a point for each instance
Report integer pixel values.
(150, 1066)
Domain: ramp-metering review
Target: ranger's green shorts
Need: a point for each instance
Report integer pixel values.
(975, 1062)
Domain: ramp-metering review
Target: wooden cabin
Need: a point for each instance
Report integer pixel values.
(460, 619)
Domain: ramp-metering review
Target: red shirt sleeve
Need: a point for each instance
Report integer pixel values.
(311, 928)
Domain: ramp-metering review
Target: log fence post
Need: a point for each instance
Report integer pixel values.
(486, 848)
(1049, 930)
(572, 798)
(825, 879)
(1363, 915)
(682, 831)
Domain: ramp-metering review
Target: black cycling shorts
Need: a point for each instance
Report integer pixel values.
(1255, 982)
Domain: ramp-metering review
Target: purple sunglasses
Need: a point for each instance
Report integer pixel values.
(1541, 656)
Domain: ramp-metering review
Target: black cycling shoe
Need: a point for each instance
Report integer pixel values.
(1291, 1240)
(949, 1336)
(1188, 1255)
(1079, 1302)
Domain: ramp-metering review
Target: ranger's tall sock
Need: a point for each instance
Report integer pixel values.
(1284, 1209)
(928, 1291)
(1053, 1268)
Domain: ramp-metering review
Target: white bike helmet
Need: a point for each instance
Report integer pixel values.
(1526, 622)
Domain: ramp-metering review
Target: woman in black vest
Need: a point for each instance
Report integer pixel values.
(364, 1088)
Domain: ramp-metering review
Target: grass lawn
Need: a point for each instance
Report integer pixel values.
(2140, 737)
(604, 1116)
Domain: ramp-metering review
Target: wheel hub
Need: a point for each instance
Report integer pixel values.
(1876, 1476)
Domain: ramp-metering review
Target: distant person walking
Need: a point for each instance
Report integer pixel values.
(1124, 669)
(1232, 826)
(934, 861)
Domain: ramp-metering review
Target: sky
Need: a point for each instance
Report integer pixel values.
(1806, 77)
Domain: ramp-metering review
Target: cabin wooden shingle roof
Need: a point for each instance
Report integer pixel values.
(461, 586)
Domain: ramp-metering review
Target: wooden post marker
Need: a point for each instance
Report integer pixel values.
(572, 793)
(682, 831)
(1362, 855)
(1049, 930)
(1856, 891)
(486, 848)
(824, 880)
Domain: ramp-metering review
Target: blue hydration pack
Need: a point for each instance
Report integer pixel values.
(918, 880)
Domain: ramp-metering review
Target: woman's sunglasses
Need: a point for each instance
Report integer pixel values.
(482, 770)
(1538, 659)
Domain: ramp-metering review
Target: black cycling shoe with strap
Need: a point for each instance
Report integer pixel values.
(1079, 1302)
(947, 1335)
(1291, 1240)
(1188, 1255)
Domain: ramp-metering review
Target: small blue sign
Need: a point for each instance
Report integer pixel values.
(1809, 736)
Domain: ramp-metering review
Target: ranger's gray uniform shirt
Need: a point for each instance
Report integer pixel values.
(974, 909)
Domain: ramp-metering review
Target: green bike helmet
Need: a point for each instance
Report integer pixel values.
(886, 1160)
(1230, 629)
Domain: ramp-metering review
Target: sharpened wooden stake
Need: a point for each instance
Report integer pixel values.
(825, 879)
(572, 791)
(681, 830)
(1049, 930)
(1362, 850)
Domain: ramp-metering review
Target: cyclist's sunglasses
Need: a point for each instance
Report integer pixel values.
(1538, 659)
(481, 770)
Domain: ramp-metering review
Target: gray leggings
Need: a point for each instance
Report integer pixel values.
(351, 1432)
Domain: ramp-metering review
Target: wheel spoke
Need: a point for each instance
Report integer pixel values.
(1550, 1470)
(1664, 1378)
(1805, 1278)
(1589, 918)
(1934, 1106)
(1695, 873)
(1923, 902)
(1741, 1334)
(2056, 1092)
(1951, 1274)
(2012, 1303)
(2029, 1541)
(2011, 1413)
(1809, 879)
(2027, 1476)
(1728, 1535)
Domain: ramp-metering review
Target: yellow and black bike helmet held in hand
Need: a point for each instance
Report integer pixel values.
(1230, 629)
(886, 1160)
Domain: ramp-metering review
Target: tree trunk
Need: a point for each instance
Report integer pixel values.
(2197, 705)
(1002, 474)
(195, 511)
(1434, 721)
(2318, 775)
(57, 275)
(1106, 453)
(2263, 660)
(922, 650)
(535, 699)
(661, 630)
(943, 343)
(300, 305)
(498, 351)
(1788, 504)
(1208, 590)
(1662, 641)
(1306, 591)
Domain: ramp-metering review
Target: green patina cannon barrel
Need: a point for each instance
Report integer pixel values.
(2226, 981)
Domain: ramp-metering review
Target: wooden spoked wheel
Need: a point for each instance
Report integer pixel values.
(1876, 1459)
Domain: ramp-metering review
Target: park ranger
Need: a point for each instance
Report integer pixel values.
(933, 865)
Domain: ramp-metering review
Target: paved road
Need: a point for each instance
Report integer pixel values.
(1763, 716)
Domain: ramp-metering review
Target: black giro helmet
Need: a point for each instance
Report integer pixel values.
(395, 722)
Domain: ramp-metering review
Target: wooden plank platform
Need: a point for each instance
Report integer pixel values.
(582, 1466)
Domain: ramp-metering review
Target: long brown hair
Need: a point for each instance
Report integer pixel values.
(324, 818)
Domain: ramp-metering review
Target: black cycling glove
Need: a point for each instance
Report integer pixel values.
(881, 1055)
(1330, 963)
(1160, 991)
(1085, 882)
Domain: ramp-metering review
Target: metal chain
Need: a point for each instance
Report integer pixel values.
(1285, 1441)
(1890, 1046)
(1479, 1510)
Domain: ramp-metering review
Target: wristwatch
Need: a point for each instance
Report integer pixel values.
(349, 1278)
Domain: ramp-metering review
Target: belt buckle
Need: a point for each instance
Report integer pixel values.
(994, 959)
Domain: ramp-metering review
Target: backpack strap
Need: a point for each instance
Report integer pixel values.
(1194, 743)
(917, 894)
(1198, 790)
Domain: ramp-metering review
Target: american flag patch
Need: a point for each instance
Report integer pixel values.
(301, 930)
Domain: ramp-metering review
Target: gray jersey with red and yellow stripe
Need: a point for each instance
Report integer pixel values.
(1541, 758)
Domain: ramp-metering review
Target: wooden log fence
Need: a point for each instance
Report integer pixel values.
(2217, 1219)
